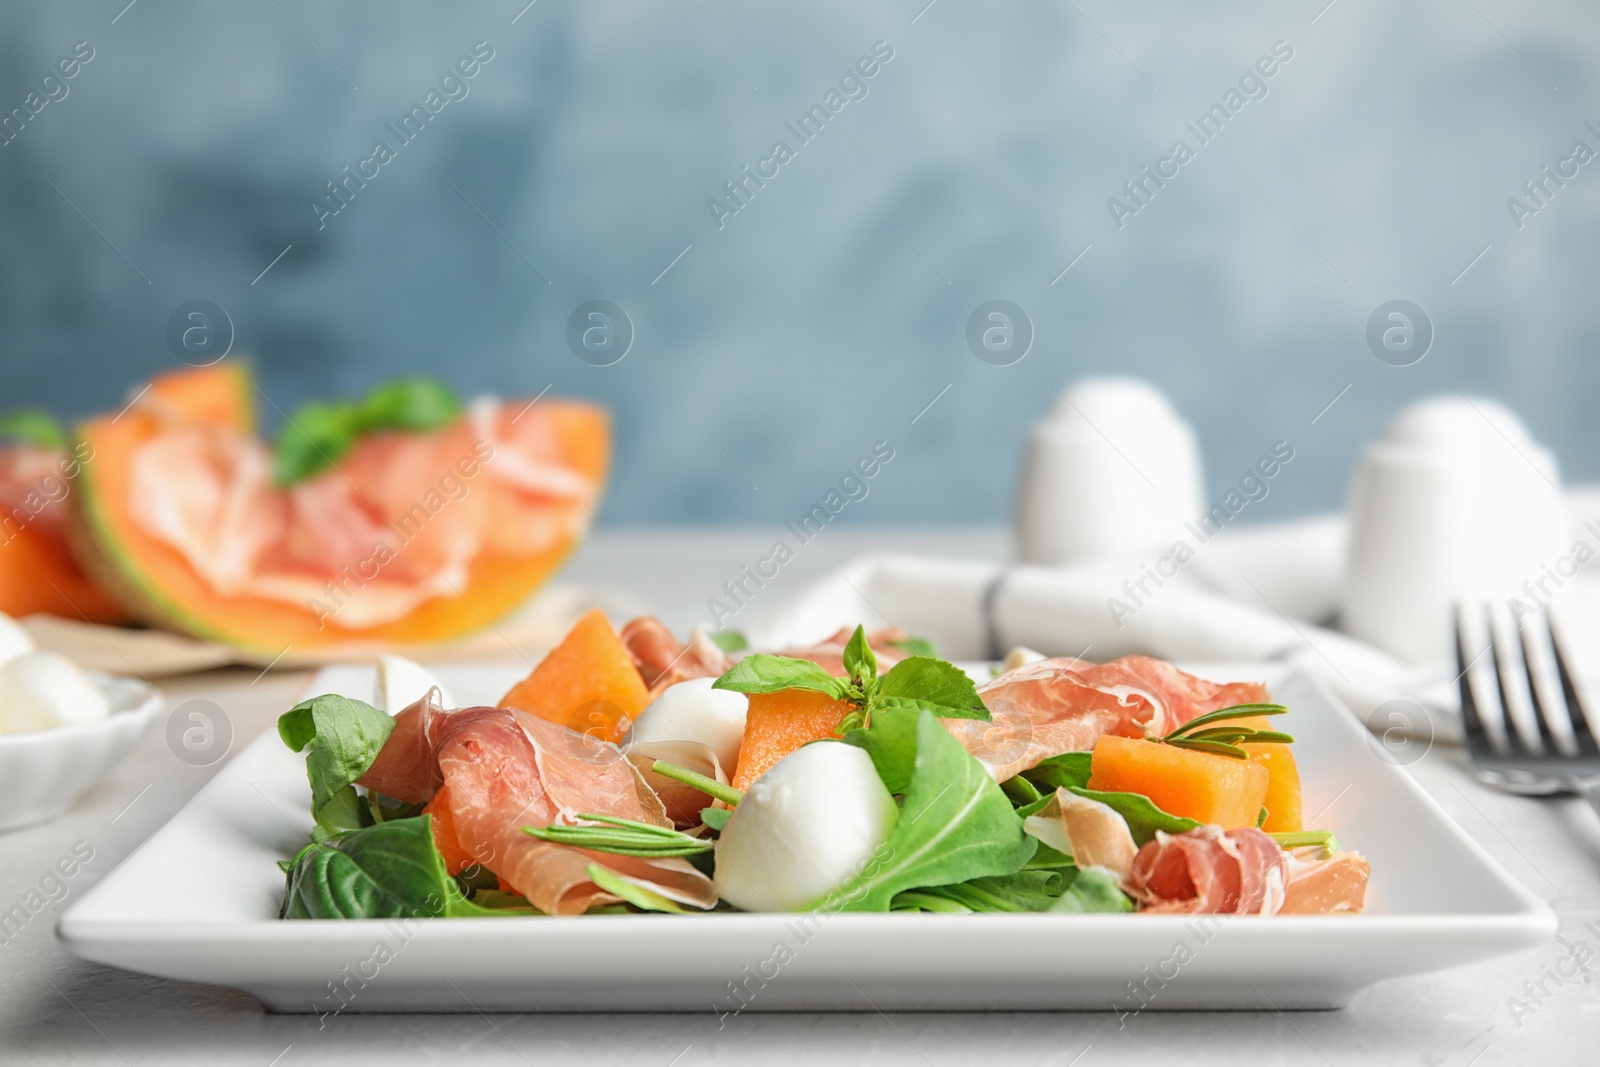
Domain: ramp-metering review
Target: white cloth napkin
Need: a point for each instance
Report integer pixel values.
(1264, 592)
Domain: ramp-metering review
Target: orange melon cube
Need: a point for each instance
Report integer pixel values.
(1284, 811)
(1197, 785)
(587, 683)
(779, 723)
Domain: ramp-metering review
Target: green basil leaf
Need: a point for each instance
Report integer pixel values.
(388, 871)
(1023, 891)
(313, 439)
(344, 737)
(931, 685)
(1140, 813)
(1091, 891)
(1067, 769)
(415, 404)
(860, 662)
(891, 741)
(33, 426)
(730, 641)
(345, 810)
(956, 825)
(761, 673)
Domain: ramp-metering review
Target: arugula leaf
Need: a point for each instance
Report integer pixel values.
(1021, 791)
(344, 736)
(925, 684)
(33, 426)
(1048, 859)
(416, 404)
(860, 662)
(761, 673)
(716, 818)
(1067, 769)
(1023, 891)
(1140, 813)
(930, 900)
(1091, 891)
(956, 825)
(917, 646)
(891, 741)
(730, 641)
(388, 871)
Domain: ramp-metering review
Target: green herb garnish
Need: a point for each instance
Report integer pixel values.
(1323, 839)
(709, 786)
(1200, 736)
(319, 434)
(730, 641)
(915, 684)
(622, 837)
(33, 426)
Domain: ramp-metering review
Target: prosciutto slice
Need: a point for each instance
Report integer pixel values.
(1052, 706)
(503, 770)
(1211, 870)
(401, 518)
(1327, 887)
(1092, 833)
(665, 661)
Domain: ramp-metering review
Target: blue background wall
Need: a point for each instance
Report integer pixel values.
(832, 309)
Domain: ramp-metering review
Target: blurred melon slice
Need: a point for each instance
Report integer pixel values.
(178, 518)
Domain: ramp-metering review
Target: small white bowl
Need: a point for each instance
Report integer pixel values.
(43, 774)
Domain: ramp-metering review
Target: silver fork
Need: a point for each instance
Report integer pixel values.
(1526, 727)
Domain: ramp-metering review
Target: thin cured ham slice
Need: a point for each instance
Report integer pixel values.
(1327, 887)
(503, 770)
(406, 767)
(1052, 706)
(402, 517)
(1092, 833)
(665, 661)
(1211, 870)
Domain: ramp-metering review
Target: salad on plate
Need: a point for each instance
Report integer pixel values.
(632, 773)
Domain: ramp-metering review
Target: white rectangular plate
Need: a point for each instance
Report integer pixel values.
(199, 902)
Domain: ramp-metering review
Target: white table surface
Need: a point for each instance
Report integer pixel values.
(56, 1009)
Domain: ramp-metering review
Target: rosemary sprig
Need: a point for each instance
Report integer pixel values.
(709, 786)
(1200, 735)
(622, 837)
(1308, 839)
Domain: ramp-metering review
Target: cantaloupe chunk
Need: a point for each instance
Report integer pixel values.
(1284, 811)
(218, 395)
(588, 683)
(1197, 785)
(456, 857)
(778, 723)
(39, 575)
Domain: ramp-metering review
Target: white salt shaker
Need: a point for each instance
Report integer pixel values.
(1113, 471)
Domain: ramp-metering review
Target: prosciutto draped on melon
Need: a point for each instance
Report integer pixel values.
(408, 537)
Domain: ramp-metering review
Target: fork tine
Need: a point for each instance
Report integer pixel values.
(1545, 709)
(1471, 725)
(1509, 673)
(1575, 706)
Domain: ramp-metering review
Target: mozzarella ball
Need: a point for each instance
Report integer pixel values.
(41, 690)
(803, 829)
(403, 682)
(693, 711)
(14, 640)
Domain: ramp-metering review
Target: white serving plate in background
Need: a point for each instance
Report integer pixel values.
(1437, 900)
